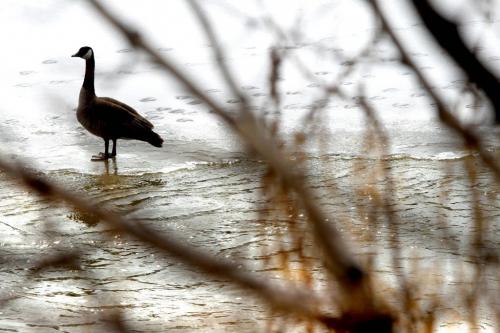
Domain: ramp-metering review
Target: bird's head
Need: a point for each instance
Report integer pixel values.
(84, 52)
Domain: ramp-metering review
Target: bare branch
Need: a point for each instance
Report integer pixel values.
(219, 54)
(136, 41)
(288, 298)
(445, 114)
(336, 255)
(447, 35)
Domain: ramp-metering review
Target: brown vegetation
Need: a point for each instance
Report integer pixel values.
(354, 301)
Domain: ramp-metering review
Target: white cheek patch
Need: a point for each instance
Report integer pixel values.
(87, 55)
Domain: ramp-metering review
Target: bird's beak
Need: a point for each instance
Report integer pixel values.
(75, 55)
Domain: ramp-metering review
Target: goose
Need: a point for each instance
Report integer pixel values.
(108, 118)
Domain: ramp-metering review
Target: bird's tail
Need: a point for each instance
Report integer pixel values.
(154, 139)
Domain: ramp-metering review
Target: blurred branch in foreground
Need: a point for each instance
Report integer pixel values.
(286, 298)
(447, 35)
(335, 254)
(472, 139)
(325, 290)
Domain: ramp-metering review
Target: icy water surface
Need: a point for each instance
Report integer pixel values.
(202, 185)
(212, 206)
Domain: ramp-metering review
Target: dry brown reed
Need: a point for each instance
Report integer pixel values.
(326, 288)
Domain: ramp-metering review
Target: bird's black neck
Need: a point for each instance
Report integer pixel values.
(88, 82)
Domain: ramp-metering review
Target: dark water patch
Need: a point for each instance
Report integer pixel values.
(153, 117)
(24, 73)
(322, 73)
(147, 99)
(418, 95)
(296, 106)
(454, 85)
(293, 47)
(54, 327)
(177, 111)
(195, 102)
(163, 108)
(152, 181)
(182, 98)
(336, 50)
(49, 62)
(474, 106)
(184, 120)
(140, 201)
(43, 132)
(211, 91)
(347, 63)
(11, 122)
(165, 49)
(55, 82)
(249, 87)
(401, 105)
(259, 95)
(23, 85)
(389, 59)
(351, 106)
(233, 101)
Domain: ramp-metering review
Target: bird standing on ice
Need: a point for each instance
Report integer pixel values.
(108, 118)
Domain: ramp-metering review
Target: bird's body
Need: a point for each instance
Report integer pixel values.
(108, 118)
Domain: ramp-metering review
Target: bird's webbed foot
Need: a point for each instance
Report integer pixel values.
(100, 157)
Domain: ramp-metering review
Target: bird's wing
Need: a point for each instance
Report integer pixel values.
(112, 111)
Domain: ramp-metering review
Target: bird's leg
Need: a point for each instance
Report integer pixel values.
(101, 156)
(113, 153)
(106, 148)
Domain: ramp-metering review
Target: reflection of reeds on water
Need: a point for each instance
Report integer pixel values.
(307, 274)
(423, 300)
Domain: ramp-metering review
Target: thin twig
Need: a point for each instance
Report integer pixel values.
(446, 33)
(338, 258)
(445, 114)
(218, 52)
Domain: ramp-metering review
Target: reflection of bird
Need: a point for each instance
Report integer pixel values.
(108, 118)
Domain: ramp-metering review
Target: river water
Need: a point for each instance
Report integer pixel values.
(202, 184)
